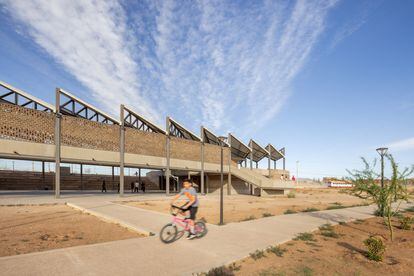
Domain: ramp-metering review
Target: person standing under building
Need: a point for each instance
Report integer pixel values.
(136, 187)
(143, 187)
(103, 186)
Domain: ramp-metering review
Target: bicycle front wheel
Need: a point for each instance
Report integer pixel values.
(200, 229)
(168, 233)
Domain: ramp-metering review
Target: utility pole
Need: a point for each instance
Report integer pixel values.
(221, 184)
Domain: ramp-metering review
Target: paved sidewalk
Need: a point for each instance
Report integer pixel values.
(148, 256)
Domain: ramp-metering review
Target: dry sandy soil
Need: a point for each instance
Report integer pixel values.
(25, 229)
(344, 255)
(242, 207)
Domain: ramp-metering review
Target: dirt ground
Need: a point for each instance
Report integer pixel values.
(25, 229)
(242, 207)
(344, 255)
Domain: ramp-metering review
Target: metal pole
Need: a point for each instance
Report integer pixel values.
(122, 153)
(268, 162)
(57, 143)
(202, 163)
(284, 163)
(167, 169)
(221, 186)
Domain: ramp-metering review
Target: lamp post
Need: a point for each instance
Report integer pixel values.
(382, 152)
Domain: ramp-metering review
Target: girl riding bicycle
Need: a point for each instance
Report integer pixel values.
(191, 204)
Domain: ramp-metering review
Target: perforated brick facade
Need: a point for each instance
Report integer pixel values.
(78, 132)
(24, 124)
(145, 143)
(185, 149)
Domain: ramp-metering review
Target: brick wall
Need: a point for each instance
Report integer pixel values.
(185, 149)
(145, 143)
(24, 180)
(212, 154)
(82, 133)
(24, 124)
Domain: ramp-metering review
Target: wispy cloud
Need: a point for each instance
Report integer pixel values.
(226, 65)
(402, 145)
(361, 16)
(90, 39)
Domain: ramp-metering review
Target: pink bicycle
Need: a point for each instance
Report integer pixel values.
(170, 233)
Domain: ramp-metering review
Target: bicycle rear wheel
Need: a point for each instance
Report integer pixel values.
(200, 229)
(168, 233)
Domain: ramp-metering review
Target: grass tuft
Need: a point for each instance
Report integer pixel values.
(304, 237)
(265, 215)
(310, 210)
(289, 211)
(249, 218)
(258, 254)
(277, 250)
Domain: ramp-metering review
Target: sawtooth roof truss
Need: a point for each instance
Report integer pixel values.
(257, 151)
(133, 120)
(177, 130)
(239, 151)
(274, 153)
(12, 95)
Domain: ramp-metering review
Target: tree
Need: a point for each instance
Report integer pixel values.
(366, 186)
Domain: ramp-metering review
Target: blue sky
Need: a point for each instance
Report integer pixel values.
(329, 80)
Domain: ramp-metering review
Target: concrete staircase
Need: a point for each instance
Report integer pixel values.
(259, 180)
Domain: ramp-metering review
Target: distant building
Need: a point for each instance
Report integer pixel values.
(337, 183)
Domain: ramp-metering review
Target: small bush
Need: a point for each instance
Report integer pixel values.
(220, 271)
(376, 248)
(304, 237)
(257, 254)
(310, 210)
(291, 194)
(289, 211)
(333, 207)
(277, 250)
(342, 223)
(359, 221)
(405, 223)
(410, 209)
(249, 218)
(265, 215)
(306, 271)
(327, 230)
(234, 267)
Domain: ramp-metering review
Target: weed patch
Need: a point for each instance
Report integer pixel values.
(258, 254)
(376, 248)
(289, 211)
(304, 237)
(265, 215)
(277, 250)
(310, 210)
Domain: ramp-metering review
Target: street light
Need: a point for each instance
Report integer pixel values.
(382, 152)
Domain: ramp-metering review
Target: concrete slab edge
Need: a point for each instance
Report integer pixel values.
(111, 219)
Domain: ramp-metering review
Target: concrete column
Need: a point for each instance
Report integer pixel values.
(269, 160)
(81, 176)
(229, 164)
(167, 150)
(57, 143)
(251, 160)
(202, 163)
(121, 152)
(207, 185)
(284, 163)
(43, 175)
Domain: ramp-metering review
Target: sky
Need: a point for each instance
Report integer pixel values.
(329, 80)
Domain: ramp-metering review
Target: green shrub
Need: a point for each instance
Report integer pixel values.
(327, 230)
(342, 223)
(249, 218)
(410, 209)
(333, 207)
(291, 194)
(405, 223)
(304, 237)
(289, 211)
(326, 227)
(234, 267)
(359, 221)
(267, 215)
(220, 271)
(376, 248)
(306, 271)
(257, 254)
(277, 250)
(310, 210)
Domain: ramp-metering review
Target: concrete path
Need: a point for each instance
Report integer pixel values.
(148, 256)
